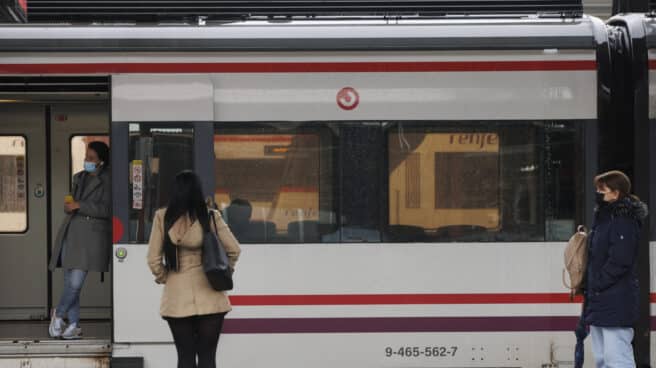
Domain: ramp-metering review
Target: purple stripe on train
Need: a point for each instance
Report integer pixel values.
(400, 324)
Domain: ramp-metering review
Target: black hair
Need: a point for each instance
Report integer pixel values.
(186, 198)
(242, 203)
(239, 212)
(102, 150)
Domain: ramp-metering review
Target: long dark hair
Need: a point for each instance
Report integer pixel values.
(186, 198)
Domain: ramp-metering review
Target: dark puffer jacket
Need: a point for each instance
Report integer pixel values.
(612, 288)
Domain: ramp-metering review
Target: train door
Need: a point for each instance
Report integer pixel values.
(41, 147)
(23, 203)
(72, 127)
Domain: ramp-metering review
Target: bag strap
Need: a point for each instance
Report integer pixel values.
(213, 220)
(581, 229)
(170, 250)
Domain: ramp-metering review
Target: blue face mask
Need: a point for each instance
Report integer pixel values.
(89, 167)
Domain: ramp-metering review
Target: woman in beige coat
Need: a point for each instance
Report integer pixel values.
(192, 308)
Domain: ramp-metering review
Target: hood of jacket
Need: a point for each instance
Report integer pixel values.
(628, 207)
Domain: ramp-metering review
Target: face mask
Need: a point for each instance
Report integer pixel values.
(599, 199)
(89, 167)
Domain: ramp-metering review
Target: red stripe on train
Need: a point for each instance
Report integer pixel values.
(300, 67)
(407, 299)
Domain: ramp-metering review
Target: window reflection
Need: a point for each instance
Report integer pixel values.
(483, 182)
(275, 187)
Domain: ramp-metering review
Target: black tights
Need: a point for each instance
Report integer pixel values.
(196, 336)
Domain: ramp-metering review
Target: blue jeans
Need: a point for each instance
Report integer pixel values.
(69, 303)
(611, 347)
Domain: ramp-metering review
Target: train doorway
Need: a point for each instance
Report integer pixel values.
(42, 144)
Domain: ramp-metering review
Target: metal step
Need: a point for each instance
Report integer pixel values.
(55, 353)
(92, 348)
(38, 330)
(67, 362)
(25, 344)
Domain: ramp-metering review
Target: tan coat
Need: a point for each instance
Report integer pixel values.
(187, 292)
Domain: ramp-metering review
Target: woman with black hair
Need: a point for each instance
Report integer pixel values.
(83, 242)
(192, 308)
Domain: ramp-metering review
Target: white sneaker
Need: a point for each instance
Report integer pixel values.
(72, 332)
(57, 325)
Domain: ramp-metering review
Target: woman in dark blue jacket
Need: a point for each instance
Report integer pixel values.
(612, 282)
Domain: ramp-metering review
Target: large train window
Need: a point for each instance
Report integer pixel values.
(157, 153)
(512, 181)
(274, 183)
(13, 196)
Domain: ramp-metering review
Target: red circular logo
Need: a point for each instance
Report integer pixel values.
(348, 98)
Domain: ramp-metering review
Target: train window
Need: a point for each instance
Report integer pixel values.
(156, 153)
(13, 197)
(79, 147)
(275, 184)
(484, 182)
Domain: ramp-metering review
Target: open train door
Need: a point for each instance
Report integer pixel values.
(41, 146)
(45, 124)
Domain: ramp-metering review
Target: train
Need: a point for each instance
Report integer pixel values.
(403, 189)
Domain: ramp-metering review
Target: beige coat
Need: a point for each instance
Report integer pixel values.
(187, 292)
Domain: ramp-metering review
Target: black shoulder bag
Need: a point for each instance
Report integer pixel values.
(215, 259)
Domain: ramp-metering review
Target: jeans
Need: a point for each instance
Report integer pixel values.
(611, 347)
(196, 337)
(69, 303)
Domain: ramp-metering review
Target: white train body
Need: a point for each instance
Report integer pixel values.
(362, 300)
